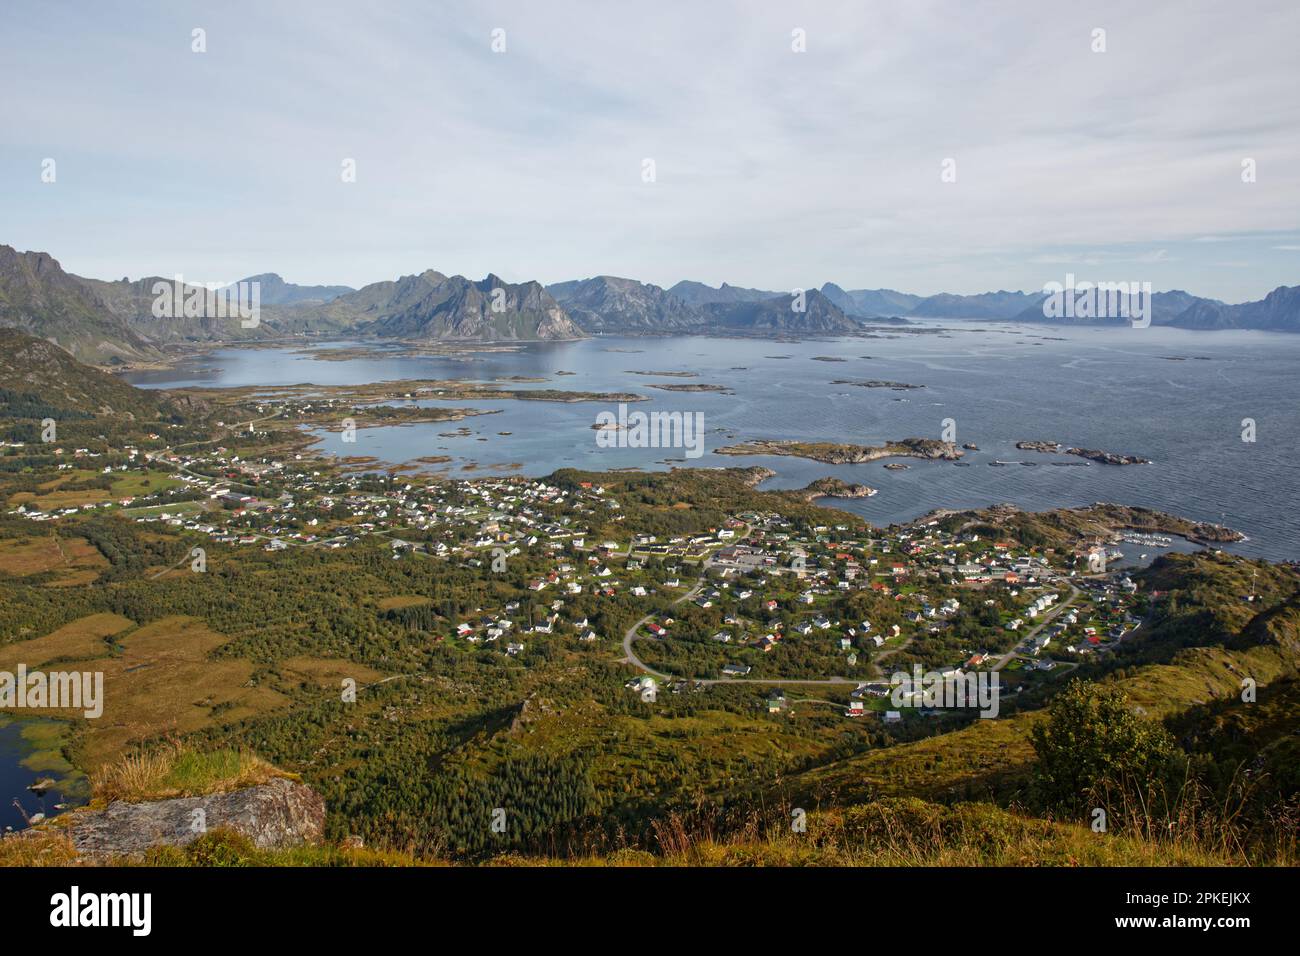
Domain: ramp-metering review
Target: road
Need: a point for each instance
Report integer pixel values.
(629, 656)
(1047, 619)
(630, 635)
(230, 430)
(155, 458)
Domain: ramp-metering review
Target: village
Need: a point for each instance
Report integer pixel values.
(759, 599)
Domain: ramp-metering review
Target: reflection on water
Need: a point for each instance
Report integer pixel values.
(30, 756)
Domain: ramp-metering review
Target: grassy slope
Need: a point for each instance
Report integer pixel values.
(1170, 676)
(34, 367)
(891, 832)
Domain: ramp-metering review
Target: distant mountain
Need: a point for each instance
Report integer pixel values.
(134, 302)
(699, 294)
(106, 322)
(611, 304)
(120, 322)
(116, 322)
(434, 306)
(38, 297)
(1278, 311)
(820, 316)
(871, 303)
(986, 305)
(38, 379)
(884, 301)
(1166, 307)
(275, 291)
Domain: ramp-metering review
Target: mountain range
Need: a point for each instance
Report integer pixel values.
(114, 322)
(434, 306)
(608, 304)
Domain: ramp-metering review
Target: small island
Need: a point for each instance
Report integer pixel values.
(691, 387)
(1091, 454)
(835, 453)
(877, 383)
(1047, 447)
(835, 488)
(1107, 457)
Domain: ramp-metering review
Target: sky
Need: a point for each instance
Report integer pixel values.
(772, 167)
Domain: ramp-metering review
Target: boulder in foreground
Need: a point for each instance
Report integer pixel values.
(275, 815)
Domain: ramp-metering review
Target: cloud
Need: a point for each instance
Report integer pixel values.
(772, 166)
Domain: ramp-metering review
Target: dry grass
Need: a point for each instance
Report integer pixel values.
(325, 672)
(178, 771)
(911, 832)
(84, 639)
(889, 832)
(402, 600)
(163, 681)
(37, 848)
(75, 560)
(984, 756)
(54, 495)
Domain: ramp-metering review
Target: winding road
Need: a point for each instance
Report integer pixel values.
(629, 656)
(1047, 619)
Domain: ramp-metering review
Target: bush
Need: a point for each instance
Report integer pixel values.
(1093, 746)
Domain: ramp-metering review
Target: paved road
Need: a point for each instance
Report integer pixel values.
(629, 655)
(1047, 619)
(229, 430)
(886, 655)
(630, 635)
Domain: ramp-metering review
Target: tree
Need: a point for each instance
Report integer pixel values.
(1094, 744)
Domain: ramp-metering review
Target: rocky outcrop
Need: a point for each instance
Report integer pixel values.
(1204, 533)
(1050, 447)
(434, 306)
(836, 488)
(532, 709)
(1091, 454)
(755, 475)
(1107, 457)
(274, 815)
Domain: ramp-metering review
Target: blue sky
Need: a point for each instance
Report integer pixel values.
(773, 168)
